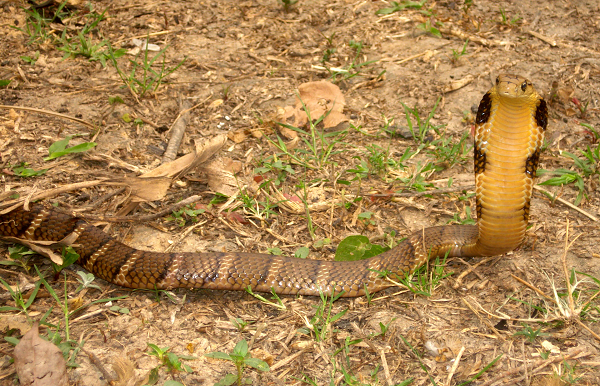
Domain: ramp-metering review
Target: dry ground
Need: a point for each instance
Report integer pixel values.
(243, 62)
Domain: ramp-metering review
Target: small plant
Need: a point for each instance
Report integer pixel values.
(529, 333)
(170, 360)
(320, 323)
(59, 148)
(143, 78)
(353, 69)
(38, 27)
(419, 282)
(383, 329)
(456, 54)
(31, 59)
(287, 4)
(22, 305)
(447, 152)
(588, 165)
(69, 257)
(18, 256)
(277, 304)
(241, 358)
(396, 7)
(23, 171)
(320, 145)
(239, 323)
(261, 210)
(504, 19)
(468, 220)
(86, 280)
(181, 216)
(419, 127)
(431, 27)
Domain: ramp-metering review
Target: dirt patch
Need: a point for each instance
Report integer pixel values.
(242, 65)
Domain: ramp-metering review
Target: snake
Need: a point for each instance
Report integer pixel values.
(509, 132)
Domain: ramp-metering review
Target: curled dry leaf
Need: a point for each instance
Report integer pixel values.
(459, 83)
(221, 176)
(39, 362)
(319, 98)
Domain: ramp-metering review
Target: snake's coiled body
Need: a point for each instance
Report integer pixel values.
(510, 126)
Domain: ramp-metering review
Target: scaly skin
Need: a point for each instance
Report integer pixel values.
(511, 122)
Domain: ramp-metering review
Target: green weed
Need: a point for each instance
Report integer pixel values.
(37, 26)
(19, 256)
(143, 78)
(287, 4)
(277, 303)
(320, 325)
(59, 148)
(353, 69)
(169, 360)
(23, 171)
(396, 7)
(504, 19)
(320, 145)
(421, 282)
(456, 54)
(241, 358)
(185, 214)
(529, 333)
(261, 210)
(419, 127)
(588, 165)
(84, 45)
(21, 305)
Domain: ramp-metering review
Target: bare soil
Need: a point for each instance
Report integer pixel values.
(243, 64)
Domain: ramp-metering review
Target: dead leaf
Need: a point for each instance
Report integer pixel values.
(144, 189)
(39, 362)
(237, 136)
(319, 98)
(44, 248)
(214, 104)
(459, 83)
(220, 179)
(125, 370)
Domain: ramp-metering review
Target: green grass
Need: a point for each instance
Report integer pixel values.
(147, 72)
(585, 166)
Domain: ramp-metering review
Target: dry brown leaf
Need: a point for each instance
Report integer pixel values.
(237, 136)
(44, 248)
(319, 98)
(458, 83)
(125, 370)
(220, 179)
(39, 362)
(144, 189)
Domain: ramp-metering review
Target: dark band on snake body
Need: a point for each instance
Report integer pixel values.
(509, 132)
(483, 112)
(541, 114)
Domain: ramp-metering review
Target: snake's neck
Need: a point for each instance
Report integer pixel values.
(503, 185)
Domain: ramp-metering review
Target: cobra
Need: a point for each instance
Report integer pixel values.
(510, 126)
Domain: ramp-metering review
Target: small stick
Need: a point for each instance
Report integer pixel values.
(47, 112)
(536, 367)
(177, 131)
(539, 291)
(455, 365)
(583, 212)
(419, 194)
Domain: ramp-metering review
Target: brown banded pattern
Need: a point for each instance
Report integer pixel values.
(510, 125)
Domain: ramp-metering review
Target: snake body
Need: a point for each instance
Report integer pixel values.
(510, 125)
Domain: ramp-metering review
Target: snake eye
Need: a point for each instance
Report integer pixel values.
(497, 80)
(524, 86)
